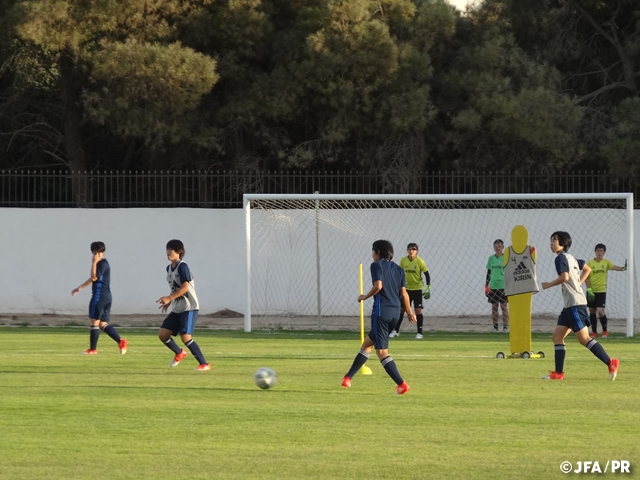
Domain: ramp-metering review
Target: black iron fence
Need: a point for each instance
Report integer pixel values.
(224, 189)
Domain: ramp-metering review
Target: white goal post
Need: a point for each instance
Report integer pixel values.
(302, 251)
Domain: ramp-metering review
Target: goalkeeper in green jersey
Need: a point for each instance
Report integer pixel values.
(414, 267)
(494, 287)
(597, 289)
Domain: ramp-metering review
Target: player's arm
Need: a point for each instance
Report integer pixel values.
(586, 271)
(80, 287)
(377, 286)
(166, 301)
(93, 274)
(620, 269)
(406, 302)
(562, 278)
(427, 278)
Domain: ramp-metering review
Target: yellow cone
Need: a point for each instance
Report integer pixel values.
(365, 370)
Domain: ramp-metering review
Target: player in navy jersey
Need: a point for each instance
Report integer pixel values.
(389, 294)
(184, 310)
(574, 316)
(100, 303)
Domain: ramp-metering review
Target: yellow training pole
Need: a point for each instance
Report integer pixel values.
(364, 370)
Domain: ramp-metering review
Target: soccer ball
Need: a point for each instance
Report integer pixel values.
(265, 378)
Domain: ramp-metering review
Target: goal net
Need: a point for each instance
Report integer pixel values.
(303, 253)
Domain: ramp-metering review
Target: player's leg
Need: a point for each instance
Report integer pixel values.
(582, 334)
(504, 306)
(396, 330)
(170, 327)
(111, 331)
(600, 301)
(593, 321)
(187, 327)
(360, 359)
(559, 347)
(381, 344)
(94, 335)
(415, 296)
(494, 315)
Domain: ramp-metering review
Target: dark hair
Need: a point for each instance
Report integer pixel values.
(98, 247)
(383, 248)
(177, 246)
(498, 241)
(413, 245)
(564, 239)
(602, 246)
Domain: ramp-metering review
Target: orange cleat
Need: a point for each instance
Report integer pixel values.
(613, 368)
(178, 358)
(402, 388)
(122, 345)
(203, 366)
(90, 352)
(346, 382)
(554, 376)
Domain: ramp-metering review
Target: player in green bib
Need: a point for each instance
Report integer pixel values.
(597, 289)
(414, 267)
(494, 287)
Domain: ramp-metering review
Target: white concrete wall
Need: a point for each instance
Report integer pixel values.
(47, 255)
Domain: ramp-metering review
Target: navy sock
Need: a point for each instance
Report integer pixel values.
(94, 334)
(598, 351)
(603, 322)
(172, 345)
(109, 330)
(195, 350)
(420, 320)
(594, 322)
(397, 329)
(560, 352)
(358, 362)
(391, 369)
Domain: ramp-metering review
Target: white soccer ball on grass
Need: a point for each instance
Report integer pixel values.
(265, 378)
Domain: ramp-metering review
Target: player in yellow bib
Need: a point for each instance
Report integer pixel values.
(597, 289)
(414, 267)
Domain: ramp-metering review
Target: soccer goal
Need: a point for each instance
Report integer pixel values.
(303, 252)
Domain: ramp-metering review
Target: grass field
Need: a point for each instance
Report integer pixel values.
(467, 416)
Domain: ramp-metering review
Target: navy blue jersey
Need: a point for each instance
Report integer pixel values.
(100, 288)
(387, 302)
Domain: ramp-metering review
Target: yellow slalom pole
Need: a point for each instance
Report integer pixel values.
(364, 370)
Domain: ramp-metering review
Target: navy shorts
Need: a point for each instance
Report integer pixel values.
(599, 301)
(415, 297)
(575, 318)
(496, 296)
(380, 329)
(100, 309)
(181, 323)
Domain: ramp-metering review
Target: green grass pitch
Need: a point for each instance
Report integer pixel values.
(468, 415)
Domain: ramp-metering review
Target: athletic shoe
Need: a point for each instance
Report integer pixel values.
(203, 367)
(346, 382)
(594, 335)
(495, 327)
(554, 376)
(394, 334)
(419, 336)
(90, 352)
(505, 328)
(613, 368)
(178, 358)
(605, 334)
(122, 345)
(402, 388)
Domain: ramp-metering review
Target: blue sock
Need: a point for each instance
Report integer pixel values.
(195, 349)
(391, 369)
(358, 362)
(109, 330)
(94, 334)
(598, 351)
(172, 345)
(560, 352)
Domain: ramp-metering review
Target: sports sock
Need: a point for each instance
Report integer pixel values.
(94, 334)
(594, 322)
(195, 349)
(397, 328)
(358, 362)
(598, 351)
(603, 322)
(420, 321)
(172, 345)
(560, 352)
(111, 331)
(391, 369)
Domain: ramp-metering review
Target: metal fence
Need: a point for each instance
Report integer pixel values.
(224, 189)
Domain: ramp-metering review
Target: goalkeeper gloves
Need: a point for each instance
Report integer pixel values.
(487, 291)
(624, 269)
(590, 295)
(426, 292)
